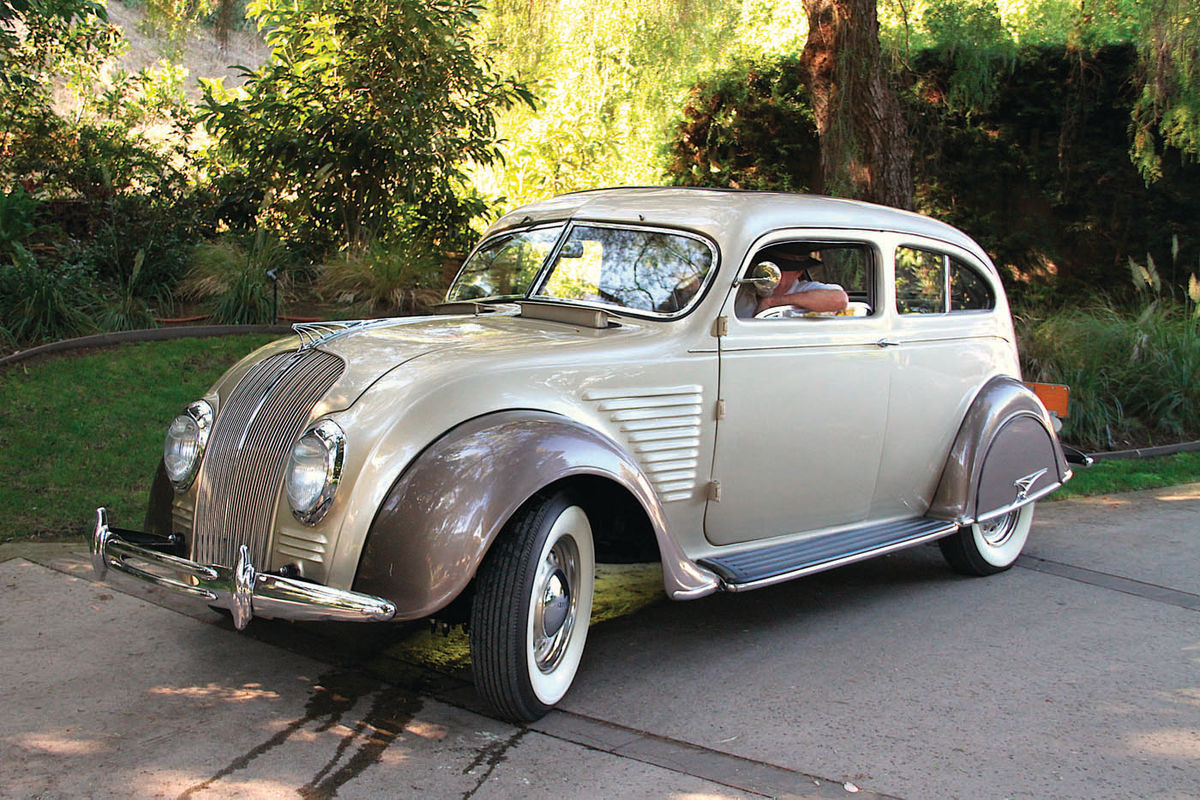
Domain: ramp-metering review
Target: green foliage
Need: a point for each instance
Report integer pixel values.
(1134, 375)
(749, 127)
(124, 310)
(109, 194)
(971, 38)
(39, 302)
(231, 274)
(609, 79)
(55, 33)
(385, 279)
(1167, 112)
(1040, 175)
(366, 115)
(17, 209)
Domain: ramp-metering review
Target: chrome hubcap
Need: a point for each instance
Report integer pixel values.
(555, 603)
(999, 530)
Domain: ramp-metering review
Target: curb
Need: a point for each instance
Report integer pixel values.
(1148, 452)
(144, 335)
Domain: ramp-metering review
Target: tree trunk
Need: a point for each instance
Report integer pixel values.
(865, 149)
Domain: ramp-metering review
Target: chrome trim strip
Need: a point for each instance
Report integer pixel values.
(812, 569)
(242, 590)
(1024, 501)
(313, 334)
(240, 479)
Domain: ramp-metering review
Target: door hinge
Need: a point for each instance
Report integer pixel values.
(721, 327)
(720, 409)
(714, 491)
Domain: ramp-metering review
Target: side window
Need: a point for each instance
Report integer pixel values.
(920, 281)
(640, 269)
(849, 266)
(968, 289)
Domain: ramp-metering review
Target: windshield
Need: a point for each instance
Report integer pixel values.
(634, 268)
(504, 267)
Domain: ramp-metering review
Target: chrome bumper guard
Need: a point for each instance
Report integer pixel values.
(242, 590)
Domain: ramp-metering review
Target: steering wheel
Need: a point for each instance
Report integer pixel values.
(774, 312)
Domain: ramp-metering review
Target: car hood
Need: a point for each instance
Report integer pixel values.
(372, 349)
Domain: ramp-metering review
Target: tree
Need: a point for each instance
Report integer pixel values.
(365, 116)
(865, 150)
(1168, 109)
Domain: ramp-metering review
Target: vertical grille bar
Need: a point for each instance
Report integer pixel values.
(247, 453)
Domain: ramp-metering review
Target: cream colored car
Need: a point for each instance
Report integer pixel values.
(606, 382)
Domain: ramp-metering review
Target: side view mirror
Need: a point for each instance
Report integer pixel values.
(764, 277)
(571, 250)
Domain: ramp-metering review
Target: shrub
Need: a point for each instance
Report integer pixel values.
(386, 279)
(43, 303)
(17, 211)
(231, 274)
(123, 309)
(1134, 374)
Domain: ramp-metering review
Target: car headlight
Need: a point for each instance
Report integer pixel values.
(314, 471)
(184, 446)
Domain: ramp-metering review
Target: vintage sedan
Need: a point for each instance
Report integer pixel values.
(616, 375)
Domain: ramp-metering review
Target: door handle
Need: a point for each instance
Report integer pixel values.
(888, 343)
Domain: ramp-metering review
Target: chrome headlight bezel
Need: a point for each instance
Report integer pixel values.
(310, 506)
(198, 418)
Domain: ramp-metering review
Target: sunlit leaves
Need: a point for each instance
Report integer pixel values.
(365, 112)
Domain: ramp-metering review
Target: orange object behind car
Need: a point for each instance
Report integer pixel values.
(1054, 397)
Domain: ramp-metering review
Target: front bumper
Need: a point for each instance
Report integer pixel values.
(243, 591)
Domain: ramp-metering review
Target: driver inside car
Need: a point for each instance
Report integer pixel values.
(797, 291)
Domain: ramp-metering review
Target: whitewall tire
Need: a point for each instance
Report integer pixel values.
(533, 600)
(988, 547)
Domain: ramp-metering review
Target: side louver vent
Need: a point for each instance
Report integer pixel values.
(662, 427)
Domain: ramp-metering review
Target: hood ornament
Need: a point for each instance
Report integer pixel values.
(316, 333)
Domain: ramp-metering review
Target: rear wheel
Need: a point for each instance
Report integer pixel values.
(988, 547)
(533, 599)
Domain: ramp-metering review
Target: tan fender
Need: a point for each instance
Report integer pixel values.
(1005, 455)
(445, 510)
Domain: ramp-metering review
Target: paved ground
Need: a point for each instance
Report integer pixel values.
(1074, 675)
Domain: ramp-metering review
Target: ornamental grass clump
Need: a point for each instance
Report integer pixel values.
(1134, 373)
(384, 279)
(232, 277)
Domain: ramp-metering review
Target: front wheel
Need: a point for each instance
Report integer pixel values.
(986, 548)
(533, 600)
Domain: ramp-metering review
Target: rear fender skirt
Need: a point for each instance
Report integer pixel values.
(447, 507)
(1006, 455)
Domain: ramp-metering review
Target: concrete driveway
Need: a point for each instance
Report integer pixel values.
(1074, 675)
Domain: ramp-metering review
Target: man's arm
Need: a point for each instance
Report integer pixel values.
(833, 299)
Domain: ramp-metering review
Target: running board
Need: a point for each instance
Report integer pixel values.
(764, 566)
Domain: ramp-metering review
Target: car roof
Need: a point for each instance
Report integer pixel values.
(731, 216)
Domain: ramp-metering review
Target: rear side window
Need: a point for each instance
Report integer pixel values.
(969, 291)
(928, 282)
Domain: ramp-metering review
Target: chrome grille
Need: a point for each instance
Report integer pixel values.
(248, 450)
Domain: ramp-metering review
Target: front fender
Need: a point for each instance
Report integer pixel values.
(447, 507)
(1006, 455)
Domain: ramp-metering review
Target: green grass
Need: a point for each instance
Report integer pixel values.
(1128, 475)
(84, 430)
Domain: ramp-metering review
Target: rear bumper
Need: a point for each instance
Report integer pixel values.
(243, 591)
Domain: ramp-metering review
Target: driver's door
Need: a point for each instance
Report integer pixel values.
(804, 410)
